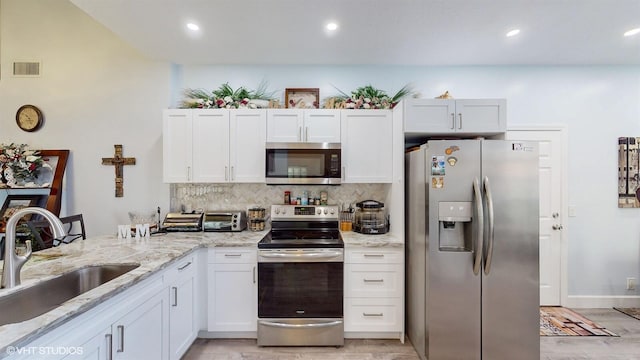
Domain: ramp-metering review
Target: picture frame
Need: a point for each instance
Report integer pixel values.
(13, 203)
(302, 98)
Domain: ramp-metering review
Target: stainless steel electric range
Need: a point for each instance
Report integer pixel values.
(300, 278)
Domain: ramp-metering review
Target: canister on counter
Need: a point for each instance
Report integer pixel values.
(287, 197)
(323, 198)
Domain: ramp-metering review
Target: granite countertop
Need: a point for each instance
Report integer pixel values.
(153, 254)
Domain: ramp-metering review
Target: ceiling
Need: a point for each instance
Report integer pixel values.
(379, 32)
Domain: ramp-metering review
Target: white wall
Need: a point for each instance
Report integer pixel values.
(96, 92)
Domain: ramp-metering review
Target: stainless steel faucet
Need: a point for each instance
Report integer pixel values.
(13, 262)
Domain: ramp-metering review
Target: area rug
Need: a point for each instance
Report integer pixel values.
(633, 312)
(560, 321)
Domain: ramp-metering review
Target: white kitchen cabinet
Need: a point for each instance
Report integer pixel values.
(142, 333)
(298, 125)
(233, 295)
(177, 135)
(367, 146)
(139, 333)
(374, 292)
(182, 280)
(213, 145)
(455, 116)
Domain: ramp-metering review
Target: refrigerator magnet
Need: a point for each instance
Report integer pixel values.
(452, 160)
(437, 182)
(437, 165)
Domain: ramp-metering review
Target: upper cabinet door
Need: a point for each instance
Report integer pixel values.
(367, 146)
(322, 125)
(247, 147)
(429, 116)
(211, 145)
(481, 115)
(462, 117)
(284, 125)
(176, 145)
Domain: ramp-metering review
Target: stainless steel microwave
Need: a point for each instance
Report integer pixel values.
(303, 163)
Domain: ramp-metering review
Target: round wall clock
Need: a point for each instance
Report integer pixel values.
(29, 118)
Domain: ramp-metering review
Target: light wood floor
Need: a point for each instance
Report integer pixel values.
(626, 347)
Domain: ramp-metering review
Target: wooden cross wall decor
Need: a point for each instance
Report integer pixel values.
(118, 161)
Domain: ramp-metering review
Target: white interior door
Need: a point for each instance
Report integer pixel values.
(552, 215)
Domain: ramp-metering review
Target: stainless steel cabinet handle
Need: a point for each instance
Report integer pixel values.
(343, 175)
(374, 255)
(370, 314)
(557, 227)
(479, 235)
(373, 280)
(121, 338)
(226, 173)
(188, 173)
(232, 255)
(460, 123)
(175, 296)
(490, 236)
(254, 274)
(306, 133)
(299, 133)
(233, 175)
(184, 266)
(109, 340)
(453, 121)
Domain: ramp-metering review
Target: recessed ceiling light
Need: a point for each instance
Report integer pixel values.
(193, 27)
(332, 26)
(513, 32)
(632, 32)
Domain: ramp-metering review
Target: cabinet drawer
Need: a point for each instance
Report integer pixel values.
(370, 315)
(373, 281)
(181, 268)
(375, 256)
(232, 256)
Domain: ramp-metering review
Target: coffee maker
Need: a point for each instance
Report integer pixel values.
(371, 218)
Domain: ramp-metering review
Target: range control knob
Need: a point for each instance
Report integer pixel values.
(318, 212)
(331, 211)
(277, 210)
(284, 211)
(325, 211)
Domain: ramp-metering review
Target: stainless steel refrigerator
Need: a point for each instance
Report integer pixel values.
(472, 250)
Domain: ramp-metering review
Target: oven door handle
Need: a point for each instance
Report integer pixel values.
(300, 326)
(309, 255)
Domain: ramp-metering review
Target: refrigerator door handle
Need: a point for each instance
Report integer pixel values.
(477, 262)
(490, 219)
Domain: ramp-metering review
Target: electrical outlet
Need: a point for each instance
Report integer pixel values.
(631, 283)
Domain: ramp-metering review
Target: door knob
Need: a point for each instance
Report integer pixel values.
(557, 227)
(555, 215)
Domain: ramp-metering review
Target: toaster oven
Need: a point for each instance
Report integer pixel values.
(225, 220)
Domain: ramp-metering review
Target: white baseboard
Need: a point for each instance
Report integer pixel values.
(586, 301)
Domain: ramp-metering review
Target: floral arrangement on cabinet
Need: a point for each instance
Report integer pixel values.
(20, 165)
(225, 97)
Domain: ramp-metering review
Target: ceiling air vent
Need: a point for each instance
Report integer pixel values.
(26, 68)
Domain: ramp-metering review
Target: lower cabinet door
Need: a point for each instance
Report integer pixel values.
(232, 297)
(96, 348)
(142, 333)
(181, 317)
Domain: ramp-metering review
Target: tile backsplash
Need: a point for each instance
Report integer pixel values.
(243, 196)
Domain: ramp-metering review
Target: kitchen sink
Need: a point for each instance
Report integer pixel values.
(38, 299)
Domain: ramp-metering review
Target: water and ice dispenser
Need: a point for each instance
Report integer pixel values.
(454, 219)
